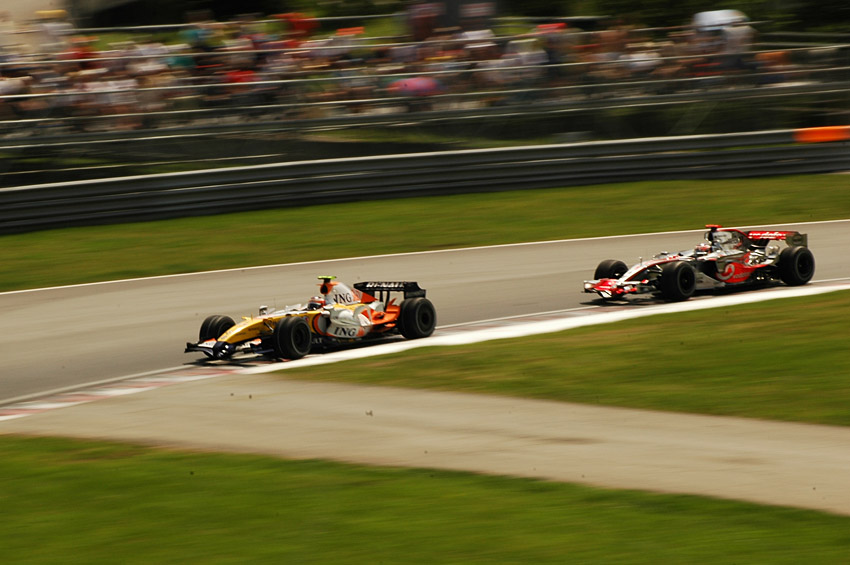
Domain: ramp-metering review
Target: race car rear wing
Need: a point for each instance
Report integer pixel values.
(761, 238)
(410, 289)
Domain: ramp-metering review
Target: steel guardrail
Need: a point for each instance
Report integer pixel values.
(215, 191)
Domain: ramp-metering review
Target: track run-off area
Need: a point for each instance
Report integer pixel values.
(78, 353)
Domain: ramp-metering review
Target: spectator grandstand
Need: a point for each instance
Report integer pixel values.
(284, 67)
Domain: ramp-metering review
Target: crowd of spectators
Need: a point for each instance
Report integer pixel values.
(283, 67)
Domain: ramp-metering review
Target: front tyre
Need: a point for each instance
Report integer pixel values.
(417, 318)
(678, 281)
(292, 338)
(213, 326)
(796, 265)
(610, 269)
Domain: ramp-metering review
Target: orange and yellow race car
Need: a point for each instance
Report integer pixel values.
(337, 315)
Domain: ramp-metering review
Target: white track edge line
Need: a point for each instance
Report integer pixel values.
(74, 388)
(406, 254)
(541, 327)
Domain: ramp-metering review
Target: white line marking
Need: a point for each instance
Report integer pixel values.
(109, 392)
(40, 406)
(75, 388)
(84, 396)
(545, 327)
(408, 254)
(504, 318)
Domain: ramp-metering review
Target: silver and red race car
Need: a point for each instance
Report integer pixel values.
(727, 258)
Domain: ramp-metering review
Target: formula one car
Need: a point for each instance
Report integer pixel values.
(338, 315)
(727, 258)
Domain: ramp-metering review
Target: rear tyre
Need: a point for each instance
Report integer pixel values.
(418, 318)
(610, 269)
(292, 338)
(796, 265)
(678, 281)
(213, 326)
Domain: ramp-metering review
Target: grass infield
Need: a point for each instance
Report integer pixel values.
(84, 502)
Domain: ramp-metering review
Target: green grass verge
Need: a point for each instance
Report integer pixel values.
(66, 256)
(87, 502)
(781, 360)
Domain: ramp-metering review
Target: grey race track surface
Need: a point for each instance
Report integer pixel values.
(103, 331)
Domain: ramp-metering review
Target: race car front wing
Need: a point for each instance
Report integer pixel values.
(224, 350)
(613, 288)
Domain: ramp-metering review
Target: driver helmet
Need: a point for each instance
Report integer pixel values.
(316, 303)
(703, 249)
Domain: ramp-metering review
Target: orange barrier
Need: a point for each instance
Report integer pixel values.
(350, 31)
(822, 134)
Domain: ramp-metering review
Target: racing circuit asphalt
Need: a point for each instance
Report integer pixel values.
(71, 336)
(68, 336)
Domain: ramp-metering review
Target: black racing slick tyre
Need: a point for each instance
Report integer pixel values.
(292, 338)
(214, 326)
(678, 281)
(417, 318)
(796, 265)
(610, 269)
